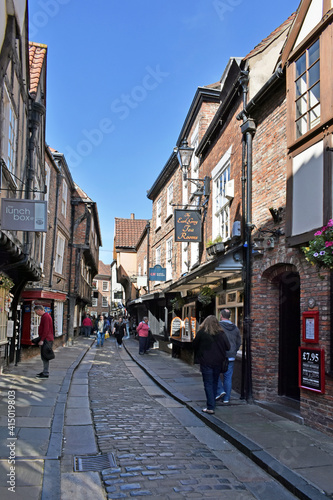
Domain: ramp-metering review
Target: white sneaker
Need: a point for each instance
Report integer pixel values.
(220, 396)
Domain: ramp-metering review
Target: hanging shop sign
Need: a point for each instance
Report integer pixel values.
(188, 226)
(312, 369)
(24, 215)
(157, 273)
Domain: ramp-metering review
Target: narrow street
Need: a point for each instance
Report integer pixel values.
(161, 449)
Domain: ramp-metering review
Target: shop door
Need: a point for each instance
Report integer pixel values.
(289, 335)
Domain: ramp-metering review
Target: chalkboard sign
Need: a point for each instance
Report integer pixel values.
(176, 327)
(312, 369)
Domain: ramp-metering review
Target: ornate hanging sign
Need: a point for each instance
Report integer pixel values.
(188, 226)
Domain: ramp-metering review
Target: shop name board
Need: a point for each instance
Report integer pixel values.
(24, 215)
(157, 273)
(188, 226)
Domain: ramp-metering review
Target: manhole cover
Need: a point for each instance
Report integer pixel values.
(94, 462)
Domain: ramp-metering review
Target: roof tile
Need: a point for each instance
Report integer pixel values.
(37, 55)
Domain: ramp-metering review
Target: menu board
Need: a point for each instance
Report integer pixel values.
(312, 369)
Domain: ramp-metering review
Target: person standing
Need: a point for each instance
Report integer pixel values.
(45, 333)
(87, 326)
(119, 331)
(210, 346)
(143, 332)
(102, 327)
(233, 334)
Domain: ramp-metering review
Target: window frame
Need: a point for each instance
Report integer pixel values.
(304, 95)
(221, 204)
(59, 258)
(168, 258)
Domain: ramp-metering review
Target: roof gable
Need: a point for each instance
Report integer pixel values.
(128, 232)
(309, 14)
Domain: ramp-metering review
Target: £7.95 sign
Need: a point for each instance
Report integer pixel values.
(312, 369)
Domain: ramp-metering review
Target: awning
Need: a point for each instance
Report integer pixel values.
(210, 273)
(146, 297)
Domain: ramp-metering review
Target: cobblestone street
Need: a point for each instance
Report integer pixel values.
(160, 448)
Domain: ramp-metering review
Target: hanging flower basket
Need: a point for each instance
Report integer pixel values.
(320, 250)
(6, 282)
(177, 303)
(206, 295)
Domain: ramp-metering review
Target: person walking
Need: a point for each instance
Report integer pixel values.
(143, 332)
(210, 346)
(46, 336)
(119, 331)
(102, 327)
(126, 321)
(232, 332)
(87, 326)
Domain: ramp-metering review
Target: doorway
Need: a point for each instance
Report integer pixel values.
(289, 334)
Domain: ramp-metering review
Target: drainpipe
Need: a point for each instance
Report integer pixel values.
(248, 129)
(148, 232)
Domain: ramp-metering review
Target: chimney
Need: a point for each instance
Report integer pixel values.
(132, 216)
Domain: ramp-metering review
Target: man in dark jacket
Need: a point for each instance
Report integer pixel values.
(233, 334)
(45, 334)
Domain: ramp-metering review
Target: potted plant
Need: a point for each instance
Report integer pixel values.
(319, 252)
(215, 246)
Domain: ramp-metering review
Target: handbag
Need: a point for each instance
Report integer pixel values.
(47, 351)
(225, 365)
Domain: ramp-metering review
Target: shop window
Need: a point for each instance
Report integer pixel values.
(307, 88)
(232, 300)
(4, 309)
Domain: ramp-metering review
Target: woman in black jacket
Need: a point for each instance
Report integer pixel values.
(210, 346)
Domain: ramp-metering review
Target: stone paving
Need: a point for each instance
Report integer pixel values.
(160, 448)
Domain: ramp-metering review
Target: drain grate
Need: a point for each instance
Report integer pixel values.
(94, 462)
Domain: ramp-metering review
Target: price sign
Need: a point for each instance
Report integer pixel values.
(310, 326)
(312, 369)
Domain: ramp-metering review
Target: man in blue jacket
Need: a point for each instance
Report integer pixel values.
(233, 334)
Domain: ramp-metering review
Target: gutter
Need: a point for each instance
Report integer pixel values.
(279, 73)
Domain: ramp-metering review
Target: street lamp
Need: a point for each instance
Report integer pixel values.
(184, 155)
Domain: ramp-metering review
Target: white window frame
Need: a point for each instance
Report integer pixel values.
(105, 302)
(94, 302)
(158, 255)
(105, 286)
(9, 138)
(169, 199)
(194, 159)
(158, 213)
(221, 204)
(60, 252)
(64, 198)
(139, 270)
(168, 253)
(145, 265)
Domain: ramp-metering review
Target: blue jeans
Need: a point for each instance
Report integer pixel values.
(143, 344)
(227, 382)
(100, 338)
(210, 377)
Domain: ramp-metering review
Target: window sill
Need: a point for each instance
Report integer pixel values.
(157, 229)
(168, 217)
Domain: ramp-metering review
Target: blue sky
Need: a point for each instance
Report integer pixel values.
(121, 75)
